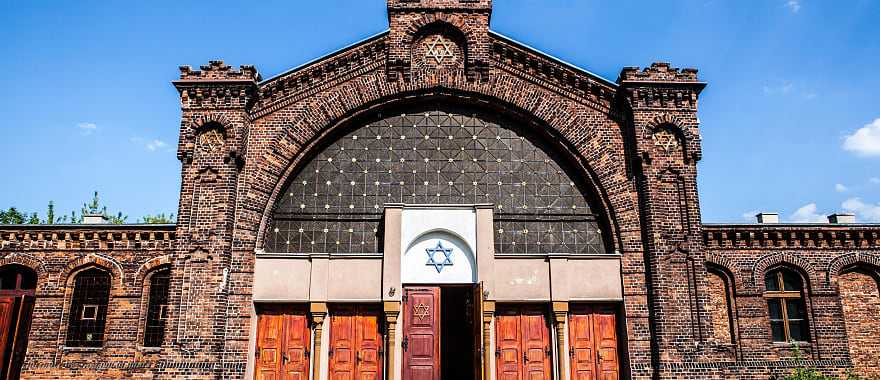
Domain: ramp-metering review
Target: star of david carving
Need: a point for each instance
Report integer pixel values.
(420, 311)
(447, 256)
(439, 49)
(210, 140)
(666, 140)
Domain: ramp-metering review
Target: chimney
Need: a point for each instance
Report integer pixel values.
(96, 218)
(842, 218)
(767, 217)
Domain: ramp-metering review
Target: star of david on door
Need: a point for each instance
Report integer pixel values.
(420, 311)
(447, 256)
(439, 49)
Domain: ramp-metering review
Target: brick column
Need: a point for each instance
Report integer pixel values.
(318, 311)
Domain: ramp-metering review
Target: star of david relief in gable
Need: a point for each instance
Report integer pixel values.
(438, 51)
(437, 155)
(666, 140)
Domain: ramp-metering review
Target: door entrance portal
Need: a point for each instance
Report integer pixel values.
(440, 326)
(17, 290)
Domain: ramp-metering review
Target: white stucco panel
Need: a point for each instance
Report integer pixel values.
(446, 234)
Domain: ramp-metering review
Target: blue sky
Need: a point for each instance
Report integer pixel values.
(790, 119)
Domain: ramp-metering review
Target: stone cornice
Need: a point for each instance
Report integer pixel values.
(791, 236)
(87, 237)
(661, 86)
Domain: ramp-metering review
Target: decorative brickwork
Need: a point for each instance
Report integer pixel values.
(693, 294)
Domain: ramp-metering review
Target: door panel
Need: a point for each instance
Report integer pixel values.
(605, 327)
(593, 339)
(582, 344)
(507, 338)
(295, 359)
(421, 353)
(523, 343)
(355, 344)
(283, 343)
(269, 330)
(536, 343)
(7, 320)
(342, 343)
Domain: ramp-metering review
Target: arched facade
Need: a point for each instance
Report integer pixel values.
(440, 188)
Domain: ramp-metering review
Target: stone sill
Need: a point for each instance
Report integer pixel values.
(67, 349)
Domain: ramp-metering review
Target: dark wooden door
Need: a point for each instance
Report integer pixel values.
(283, 341)
(523, 343)
(7, 333)
(593, 339)
(355, 344)
(421, 333)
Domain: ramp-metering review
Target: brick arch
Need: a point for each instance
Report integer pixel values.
(24, 259)
(326, 115)
(95, 260)
(690, 142)
(854, 259)
(150, 266)
(728, 266)
(210, 119)
(427, 21)
(787, 259)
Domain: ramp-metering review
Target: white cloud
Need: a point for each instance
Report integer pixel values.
(86, 128)
(155, 145)
(782, 88)
(874, 180)
(865, 141)
(865, 211)
(793, 5)
(808, 214)
(840, 188)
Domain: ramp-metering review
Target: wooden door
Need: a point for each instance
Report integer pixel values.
(7, 334)
(523, 344)
(25, 310)
(421, 333)
(295, 356)
(283, 341)
(593, 338)
(478, 330)
(355, 344)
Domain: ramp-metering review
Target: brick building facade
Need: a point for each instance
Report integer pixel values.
(333, 219)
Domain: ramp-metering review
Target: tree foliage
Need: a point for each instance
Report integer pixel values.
(92, 208)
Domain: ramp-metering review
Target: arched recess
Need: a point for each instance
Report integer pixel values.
(859, 289)
(722, 303)
(472, 146)
(458, 267)
(31, 262)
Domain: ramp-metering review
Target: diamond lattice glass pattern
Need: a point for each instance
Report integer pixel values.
(335, 203)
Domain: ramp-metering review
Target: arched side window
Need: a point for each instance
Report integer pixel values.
(157, 308)
(16, 279)
(88, 310)
(784, 291)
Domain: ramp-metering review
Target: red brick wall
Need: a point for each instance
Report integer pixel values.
(860, 298)
(718, 307)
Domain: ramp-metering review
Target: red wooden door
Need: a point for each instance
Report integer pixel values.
(283, 341)
(269, 330)
(421, 334)
(295, 356)
(355, 344)
(523, 344)
(7, 320)
(593, 338)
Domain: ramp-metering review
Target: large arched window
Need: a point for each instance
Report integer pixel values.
(88, 309)
(784, 291)
(157, 308)
(438, 155)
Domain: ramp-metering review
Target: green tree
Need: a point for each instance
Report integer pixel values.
(12, 216)
(158, 219)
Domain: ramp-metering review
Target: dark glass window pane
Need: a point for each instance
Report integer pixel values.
(157, 309)
(447, 155)
(778, 330)
(791, 281)
(798, 331)
(771, 283)
(88, 310)
(795, 308)
(8, 278)
(775, 306)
